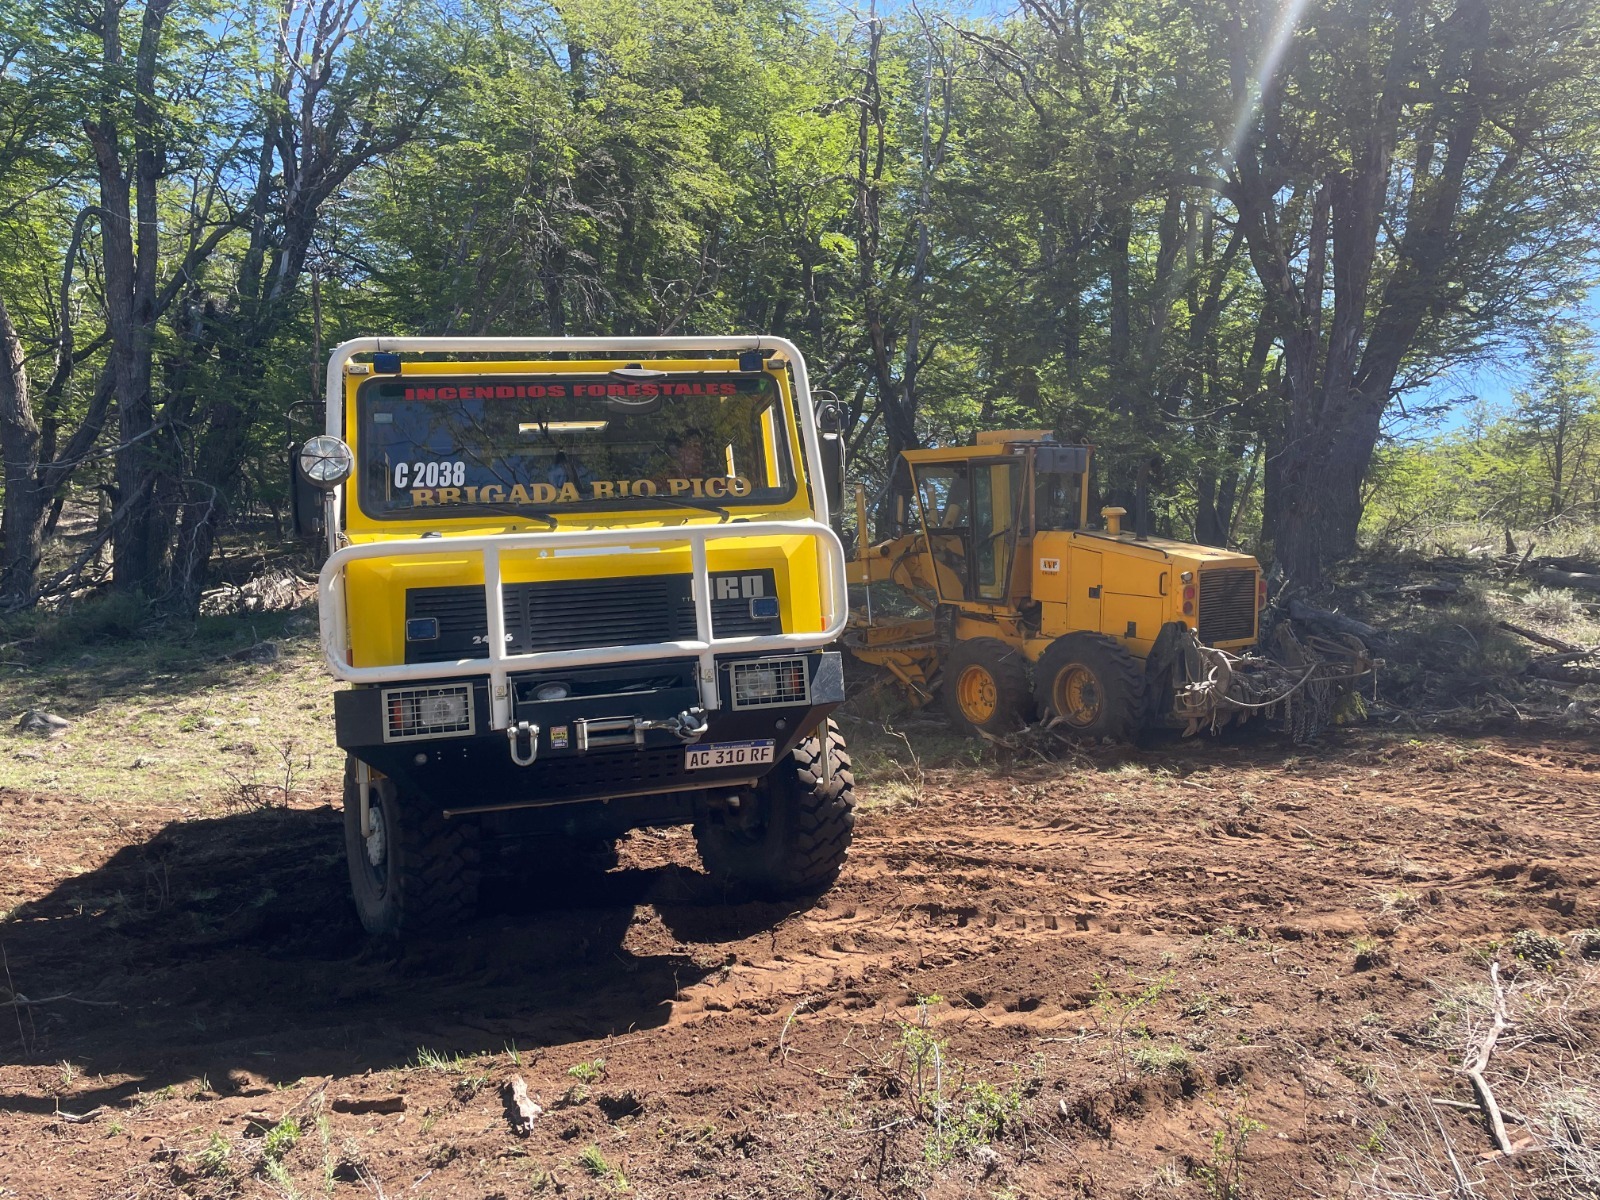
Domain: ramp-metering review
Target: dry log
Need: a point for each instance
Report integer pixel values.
(1540, 638)
(1431, 592)
(1299, 610)
(1579, 581)
(1582, 566)
(1557, 672)
(1474, 1067)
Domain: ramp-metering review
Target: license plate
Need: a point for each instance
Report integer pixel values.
(727, 754)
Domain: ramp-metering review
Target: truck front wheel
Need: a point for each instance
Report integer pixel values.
(415, 871)
(790, 834)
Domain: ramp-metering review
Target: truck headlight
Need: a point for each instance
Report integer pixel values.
(326, 462)
(444, 710)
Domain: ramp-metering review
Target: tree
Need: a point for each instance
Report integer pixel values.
(1411, 182)
(1558, 421)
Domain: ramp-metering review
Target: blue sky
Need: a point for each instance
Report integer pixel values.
(1493, 384)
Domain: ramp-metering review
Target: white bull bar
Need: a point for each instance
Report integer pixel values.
(500, 665)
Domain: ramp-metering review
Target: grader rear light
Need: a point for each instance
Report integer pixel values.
(1188, 600)
(1261, 593)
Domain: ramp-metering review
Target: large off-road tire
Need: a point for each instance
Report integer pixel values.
(790, 835)
(986, 687)
(419, 872)
(1088, 686)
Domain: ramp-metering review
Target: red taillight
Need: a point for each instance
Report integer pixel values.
(1261, 592)
(1188, 600)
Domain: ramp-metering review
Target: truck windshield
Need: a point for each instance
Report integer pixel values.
(453, 446)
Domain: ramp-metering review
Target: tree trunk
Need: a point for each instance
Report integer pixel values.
(22, 524)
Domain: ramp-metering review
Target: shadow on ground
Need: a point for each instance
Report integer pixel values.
(227, 947)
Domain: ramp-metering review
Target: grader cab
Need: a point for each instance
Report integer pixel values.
(1017, 608)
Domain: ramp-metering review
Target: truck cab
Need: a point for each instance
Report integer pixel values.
(579, 586)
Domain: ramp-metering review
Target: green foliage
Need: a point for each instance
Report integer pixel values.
(967, 223)
(594, 1161)
(280, 1139)
(213, 1160)
(1538, 949)
(438, 1060)
(1222, 1175)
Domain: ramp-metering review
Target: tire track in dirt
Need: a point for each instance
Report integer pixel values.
(1201, 902)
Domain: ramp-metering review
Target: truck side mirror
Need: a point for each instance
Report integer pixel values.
(305, 501)
(833, 454)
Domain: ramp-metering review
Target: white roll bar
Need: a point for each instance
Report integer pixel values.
(499, 665)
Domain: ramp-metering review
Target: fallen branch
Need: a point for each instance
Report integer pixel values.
(1431, 592)
(1474, 1069)
(1463, 1189)
(1557, 672)
(24, 1002)
(1299, 610)
(1540, 638)
(1577, 580)
(804, 1003)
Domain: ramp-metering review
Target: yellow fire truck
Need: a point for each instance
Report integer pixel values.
(578, 585)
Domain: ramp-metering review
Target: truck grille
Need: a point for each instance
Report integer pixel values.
(1227, 605)
(570, 614)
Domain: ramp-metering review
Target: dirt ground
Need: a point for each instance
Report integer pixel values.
(1220, 968)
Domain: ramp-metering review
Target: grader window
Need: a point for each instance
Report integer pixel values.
(1056, 500)
(996, 505)
(970, 513)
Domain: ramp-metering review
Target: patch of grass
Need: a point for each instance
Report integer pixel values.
(1400, 903)
(593, 1161)
(280, 1139)
(1152, 1059)
(437, 1060)
(1551, 606)
(1369, 953)
(213, 1160)
(166, 693)
(1222, 1174)
(588, 1072)
(1537, 949)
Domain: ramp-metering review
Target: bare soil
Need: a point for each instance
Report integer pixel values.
(1218, 968)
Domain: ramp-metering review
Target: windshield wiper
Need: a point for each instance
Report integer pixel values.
(511, 510)
(722, 513)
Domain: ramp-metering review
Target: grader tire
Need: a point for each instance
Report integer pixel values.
(1089, 687)
(986, 687)
(426, 874)
(795, 835)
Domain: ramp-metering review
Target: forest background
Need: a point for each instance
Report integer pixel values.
(1230, 242)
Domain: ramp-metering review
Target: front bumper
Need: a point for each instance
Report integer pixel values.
(612, 736)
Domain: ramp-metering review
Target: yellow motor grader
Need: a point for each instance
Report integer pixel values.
(1007, 604)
